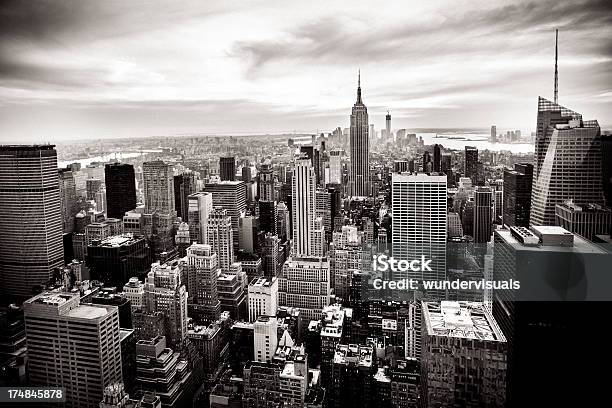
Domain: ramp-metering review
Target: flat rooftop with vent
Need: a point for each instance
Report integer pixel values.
(466, 320)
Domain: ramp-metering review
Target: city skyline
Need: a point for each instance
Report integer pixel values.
(116, 70)
(349, 265)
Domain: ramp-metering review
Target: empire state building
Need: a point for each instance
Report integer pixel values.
(359, 176)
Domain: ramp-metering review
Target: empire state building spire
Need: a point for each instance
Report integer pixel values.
(359, 174)
(359, 87)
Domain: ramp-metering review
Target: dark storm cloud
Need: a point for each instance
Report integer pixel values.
(33, 25)
(329, 40)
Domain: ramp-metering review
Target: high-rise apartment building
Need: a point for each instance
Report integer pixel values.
(120, 189)
(419, 222)
(30, 218)
(568, 162)
(359, 174)
(72, 345)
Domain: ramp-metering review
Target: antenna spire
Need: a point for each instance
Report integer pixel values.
(359, 86)
(556, 69)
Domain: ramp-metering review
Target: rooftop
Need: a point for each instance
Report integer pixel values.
(468, 320)
(580, 244)
(87, 312)
(118, 240)
(262, 281)
(381, 375)
(353, 354)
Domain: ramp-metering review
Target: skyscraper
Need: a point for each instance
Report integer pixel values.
(164, 292)
(68, 199)
(72, 345)
(231, 195)
(427, 164)
(227, 168)
(267, 216)
(483, 214)
(220, 235)
(266, 338)
(540, 320)
(184, 186)
(437, 158)
(419, 222)
(606, 166)
(568, 162)
(359, 176)
(202, 270)
(158, 179)
(388, 134)
(517, 195)
(265, 182)
(120, 189)
(200, 207)
(304, 282)
(93, 185)
(471, 163)
(30, 218)
(263, 297)
(493, 134)
(304, 196)
(159, 213)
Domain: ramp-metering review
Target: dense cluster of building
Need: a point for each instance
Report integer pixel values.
(248, 283)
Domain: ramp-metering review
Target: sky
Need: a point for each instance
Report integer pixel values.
(72, 69)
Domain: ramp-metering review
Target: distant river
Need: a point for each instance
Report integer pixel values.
(119, 156)
(458, 141)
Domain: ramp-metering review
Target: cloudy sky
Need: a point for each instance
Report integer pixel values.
(76, 68)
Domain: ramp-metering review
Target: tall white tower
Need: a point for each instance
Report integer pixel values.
(419, 222)
(304, 196)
